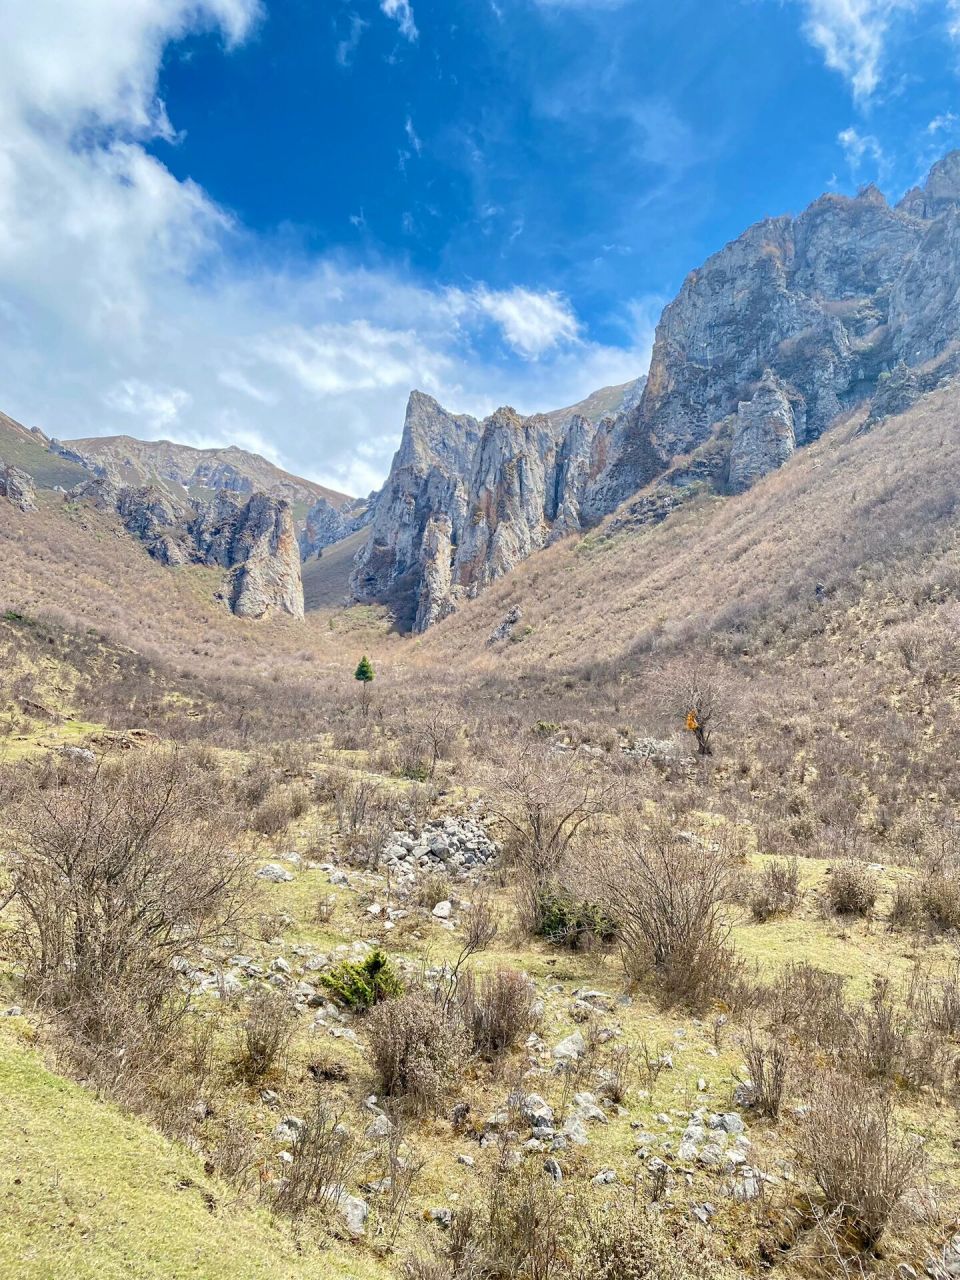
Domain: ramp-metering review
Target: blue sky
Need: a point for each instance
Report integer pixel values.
(225, 220)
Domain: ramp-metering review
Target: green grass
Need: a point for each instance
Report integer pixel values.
(87, 1193)
(47, 469)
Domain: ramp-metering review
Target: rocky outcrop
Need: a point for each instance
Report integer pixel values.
(17, 487)
(326, 524)
(466, 501)
(254, 540)
(765, 346)
(257, 541)
(765, 432)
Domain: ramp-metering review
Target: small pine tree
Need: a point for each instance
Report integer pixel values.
(365, 674)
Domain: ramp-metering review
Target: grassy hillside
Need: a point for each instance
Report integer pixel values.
(326, 578)
(90, 1194)
(21, 448)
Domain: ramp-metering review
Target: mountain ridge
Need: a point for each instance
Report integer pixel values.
(766, 345)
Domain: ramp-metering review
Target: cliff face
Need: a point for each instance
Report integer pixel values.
(253, 540)
(822, 307)
(765, 345)
(17, 487)
(466, 501)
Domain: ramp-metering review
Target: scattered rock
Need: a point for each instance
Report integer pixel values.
(274, 873)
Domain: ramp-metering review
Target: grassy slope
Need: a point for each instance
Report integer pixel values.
(326, 580)
(19, 447)
(89, 1194)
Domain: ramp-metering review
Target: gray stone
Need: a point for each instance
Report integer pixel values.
(274, 873)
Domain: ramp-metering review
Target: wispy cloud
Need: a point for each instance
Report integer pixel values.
(852, 36)
(347, 47)
(858, 147)
(402, 12)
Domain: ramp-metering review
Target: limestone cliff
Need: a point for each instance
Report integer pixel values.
(17, 487)
(254, 539)
(466, 501)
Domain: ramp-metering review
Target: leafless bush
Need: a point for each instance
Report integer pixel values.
(498, 1010)
(431, 888)
(636, 1244)
(518, 1228)
(116, 873)
(810, 1002)
(851, 890)
(479, 923)
(694, 700)
(263, 1035)
(416, 1045)
(861, 1164)
(936, 999)
(768, 1064)
(324, 1157)
(776, 891)
(235, 1153)
(664, 896)
(281, 806)
(545, 801)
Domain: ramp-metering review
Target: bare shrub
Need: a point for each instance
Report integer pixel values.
(936, 999)
(861, 1164)
(416, 1047)
(637, 1244)
(323, 1158)
(116, 873)
(498, 1010)
(811, 1003)
(768, 1065)
(519, 1228)
(665, 895)
(545, 801)
(281, 806)
(479, 923)
(263, 1035)
(851, 890)
(776, 891)
(694, 700)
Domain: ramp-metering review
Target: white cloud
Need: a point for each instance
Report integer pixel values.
(855, 36)
(157, 407)
(402, 13)
(412, 136)
(945, 122)
(128, 302)
(532, 323)
(347, 47)
(857, 147)
(852, 36)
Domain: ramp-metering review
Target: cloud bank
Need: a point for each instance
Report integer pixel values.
(131, 302)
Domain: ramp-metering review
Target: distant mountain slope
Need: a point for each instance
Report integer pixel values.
(196, 472)
(30, 451)
(846, 544)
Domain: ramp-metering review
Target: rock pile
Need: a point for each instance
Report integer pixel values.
(459, 845)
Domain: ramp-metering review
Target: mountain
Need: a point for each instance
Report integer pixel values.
(466, 501)
(775, 338)
(195, 473)
(230, 525)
